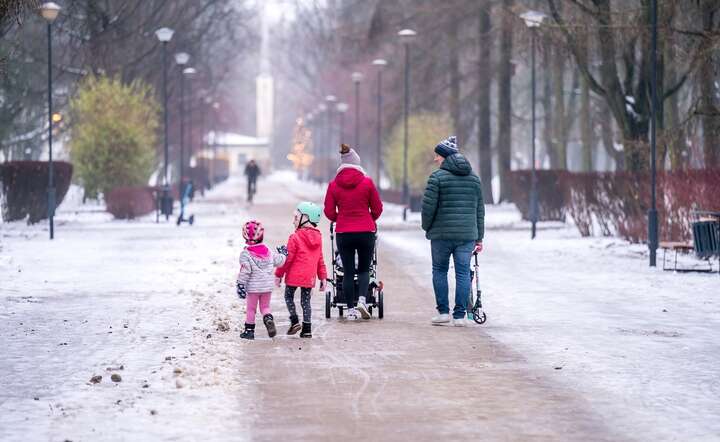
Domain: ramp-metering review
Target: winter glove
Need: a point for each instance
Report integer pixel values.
(241, 292)
(282, 250)
(478, 247)
(278, 281)
(323, 285)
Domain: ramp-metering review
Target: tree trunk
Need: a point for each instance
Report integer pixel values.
(674, 142)
(484, 85)
(454, 71)
(586, 127)
(586, 120)
(708, 102)
(504, 143)
(559, 139)
(548, 111)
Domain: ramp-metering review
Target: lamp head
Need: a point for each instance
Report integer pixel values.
(50, 11)
(380, 62)
(164, 34)
(342, 107)
(533, 19)
(182, 58)
(189, 71)
(331, 98)
(407, 35)
(357, 77)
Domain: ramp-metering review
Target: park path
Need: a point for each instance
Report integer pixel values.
(398, 378)
(156, 304)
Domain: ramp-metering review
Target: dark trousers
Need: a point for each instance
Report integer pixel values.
(251, 188)
(305, 293)
(350, 244)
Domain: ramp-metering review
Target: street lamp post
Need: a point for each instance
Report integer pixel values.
(165, 35)
(49, 12)
(406, 37)
(533, 19)
(331, 100)
(342, 108)
(189, 73)
(652, 213)
(181, 58)
(380, 64)
(357, 78)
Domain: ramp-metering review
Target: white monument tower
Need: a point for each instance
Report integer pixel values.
(265, 91)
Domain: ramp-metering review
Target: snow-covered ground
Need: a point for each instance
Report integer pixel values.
(145, 301)
(641, 344)
(153, 304)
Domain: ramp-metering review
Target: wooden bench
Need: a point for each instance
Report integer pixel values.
(684, 247)
(705, 243)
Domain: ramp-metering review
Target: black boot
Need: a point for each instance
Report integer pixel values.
(249, 332)
(306, 330)
(270, 325)
(294, 325)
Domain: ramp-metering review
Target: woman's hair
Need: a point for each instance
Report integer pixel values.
(344, 148)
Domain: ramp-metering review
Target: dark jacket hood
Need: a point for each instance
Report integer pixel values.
(457, 165)
(349, 178)
(310, 236)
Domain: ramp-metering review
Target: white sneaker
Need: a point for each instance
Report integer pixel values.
(352, 314)
(461, 322)
(364, 312)
(441, 319)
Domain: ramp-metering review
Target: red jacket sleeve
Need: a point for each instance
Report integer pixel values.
(292, 252)
(376, 205)
(321, 270)
(330, 204)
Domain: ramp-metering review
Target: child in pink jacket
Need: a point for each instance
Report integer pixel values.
(303, 267)
(255, 278)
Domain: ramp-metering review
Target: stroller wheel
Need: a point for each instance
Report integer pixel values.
(381, 307)
(479, 318)
(370, 309)
(191, 220)
(327, 305)
(340, 311)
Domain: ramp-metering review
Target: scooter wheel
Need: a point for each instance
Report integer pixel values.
(480, 319)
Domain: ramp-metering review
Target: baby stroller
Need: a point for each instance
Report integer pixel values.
(475, 309)
(335, 298)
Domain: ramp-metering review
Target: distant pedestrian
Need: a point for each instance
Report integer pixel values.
(255, 278)
(352, 202)
(252, 172)
(303, 267)
(453, 217)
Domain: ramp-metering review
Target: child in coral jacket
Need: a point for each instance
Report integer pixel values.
(255, 278)
(303, 265)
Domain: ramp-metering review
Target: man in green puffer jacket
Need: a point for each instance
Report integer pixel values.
(453, 218)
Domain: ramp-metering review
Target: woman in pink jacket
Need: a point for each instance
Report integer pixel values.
(353, 203)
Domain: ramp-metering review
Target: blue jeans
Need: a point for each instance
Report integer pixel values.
(461, 252)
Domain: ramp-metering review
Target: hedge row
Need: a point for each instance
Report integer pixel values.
(25, 188)
(617, 203)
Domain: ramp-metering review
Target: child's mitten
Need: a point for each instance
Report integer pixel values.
(282, 250)
(241, 292)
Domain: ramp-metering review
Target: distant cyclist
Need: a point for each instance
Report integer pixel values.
(252, 172)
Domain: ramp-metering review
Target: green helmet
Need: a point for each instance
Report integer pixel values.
(311, 210)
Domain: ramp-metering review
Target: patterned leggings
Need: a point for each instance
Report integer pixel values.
(304, 302)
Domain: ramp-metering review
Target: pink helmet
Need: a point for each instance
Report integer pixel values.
(253, 232)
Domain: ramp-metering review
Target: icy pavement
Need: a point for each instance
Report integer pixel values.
(148, 302)
(641, 344)
(583, 341)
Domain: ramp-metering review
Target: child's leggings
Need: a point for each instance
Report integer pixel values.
(252, 302)
(304, 302)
